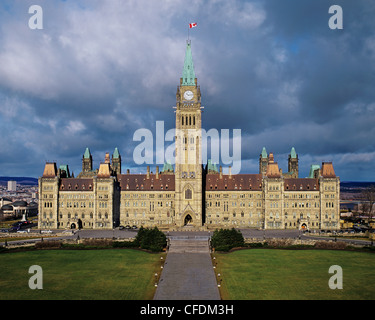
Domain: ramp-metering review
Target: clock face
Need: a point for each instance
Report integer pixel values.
(188, 95)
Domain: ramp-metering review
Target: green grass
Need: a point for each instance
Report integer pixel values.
(80, 274)
(274, 274)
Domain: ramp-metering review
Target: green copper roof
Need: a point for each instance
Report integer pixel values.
(293, 153)
(264, 153)
(65, 168)
(211, 167)
(116, 154)
(312, 169)
(188, 74)
(87, 154)
(167, 167)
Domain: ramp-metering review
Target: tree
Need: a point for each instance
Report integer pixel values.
(368, 200)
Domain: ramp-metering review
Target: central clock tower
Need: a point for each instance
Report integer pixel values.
(188, 171)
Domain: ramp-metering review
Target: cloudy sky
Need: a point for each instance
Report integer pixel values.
(100, 70)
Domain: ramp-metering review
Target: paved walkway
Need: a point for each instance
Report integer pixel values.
(188, 273)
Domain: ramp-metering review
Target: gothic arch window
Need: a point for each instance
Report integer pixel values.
(188, 194)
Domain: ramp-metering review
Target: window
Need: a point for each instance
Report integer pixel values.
(188, 194)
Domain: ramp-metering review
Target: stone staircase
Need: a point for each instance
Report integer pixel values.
(188, 245)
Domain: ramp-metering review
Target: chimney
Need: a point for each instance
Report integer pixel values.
(127, 171)
(148, 172)
(221, 172)
(230, 172)
(157, 172)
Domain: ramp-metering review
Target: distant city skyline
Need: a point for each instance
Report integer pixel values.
(100, 70)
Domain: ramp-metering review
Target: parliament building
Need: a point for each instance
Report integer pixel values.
(189, 195)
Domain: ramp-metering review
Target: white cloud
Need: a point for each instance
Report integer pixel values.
(75, 126)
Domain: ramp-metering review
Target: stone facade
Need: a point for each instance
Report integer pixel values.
(189, 194)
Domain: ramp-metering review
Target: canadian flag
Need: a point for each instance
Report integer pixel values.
(192, 25)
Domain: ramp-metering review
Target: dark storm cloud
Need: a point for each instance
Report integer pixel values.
(101, 70)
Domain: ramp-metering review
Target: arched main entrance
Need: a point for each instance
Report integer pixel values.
(188, 220)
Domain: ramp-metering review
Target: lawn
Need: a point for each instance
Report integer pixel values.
(116, 274)
(274, 274)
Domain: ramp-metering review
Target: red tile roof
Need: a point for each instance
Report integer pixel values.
(301, 184)
(139, 182)
(236, 182)
(76, 184)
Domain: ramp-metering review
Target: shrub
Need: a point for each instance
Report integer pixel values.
(330, 245)
(124, 244)
(51, 244)
(255, 245)
(227, 238)
(223, 248)
(150, 239)
(97, 243)
(280, 243)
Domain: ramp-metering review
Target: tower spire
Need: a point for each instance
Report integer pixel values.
(188, 74)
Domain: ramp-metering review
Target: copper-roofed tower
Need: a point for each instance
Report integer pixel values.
(116, 162)
(188, 164)
(293, 164)
(87, 161)
(263, 161)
